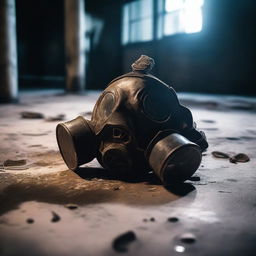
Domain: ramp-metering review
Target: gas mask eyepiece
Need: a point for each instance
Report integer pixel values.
(137, 124)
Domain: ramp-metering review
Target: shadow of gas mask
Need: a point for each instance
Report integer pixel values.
(137, 125)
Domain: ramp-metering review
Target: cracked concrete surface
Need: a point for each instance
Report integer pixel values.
(218, 211)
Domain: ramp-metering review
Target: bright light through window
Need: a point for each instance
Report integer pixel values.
(186, 16)
(142, 22)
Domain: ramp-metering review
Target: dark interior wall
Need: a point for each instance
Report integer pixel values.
(219, 59)
(40, 35)
(105, 57)
(41, 53)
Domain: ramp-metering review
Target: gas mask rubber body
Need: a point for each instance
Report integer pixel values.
(137, 125)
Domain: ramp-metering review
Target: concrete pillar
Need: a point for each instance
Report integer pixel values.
(75, 45)
(8, 52)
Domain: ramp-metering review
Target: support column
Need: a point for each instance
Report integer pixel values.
(8, 52)
(75, 45)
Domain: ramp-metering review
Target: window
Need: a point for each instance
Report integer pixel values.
(172, 17)
(179, 16)
(138, 21)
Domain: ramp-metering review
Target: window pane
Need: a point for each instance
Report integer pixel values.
(141, 9)
(137, 22)
(192, 20)
(141, 30)
(125, 30)
(172, 23)
(173, 5)
(146, 8)
(135, 8)
(147, 29)
(182, 16)
(192, 16)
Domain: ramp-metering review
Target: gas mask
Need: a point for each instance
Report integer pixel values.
(137, 125)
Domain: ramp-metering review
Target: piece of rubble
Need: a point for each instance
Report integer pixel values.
(55, 217)
(59, 117)
(10, 162)
(71, 206)
(208, 121)
(219, 154)
(188, 238)
(121, 243)
(239, 158)
(194, 178)
(30, 221)
(31, 115)
(173, 219)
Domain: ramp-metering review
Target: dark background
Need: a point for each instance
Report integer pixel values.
(219, 59)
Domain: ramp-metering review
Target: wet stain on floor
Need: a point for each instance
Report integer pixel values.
(67, 187)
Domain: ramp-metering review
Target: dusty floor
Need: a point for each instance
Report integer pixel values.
(211, 216)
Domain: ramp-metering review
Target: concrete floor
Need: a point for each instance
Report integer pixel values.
(215, 215)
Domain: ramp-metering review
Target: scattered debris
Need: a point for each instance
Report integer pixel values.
(59, 117)
(222, 191)
(173, 219)
(31, 115)
(120, 243)
(195, 178)
(232, 180)
(10, 162)
(208, 121)
(239, 158)
(188, 238)
(30, 221)
(14, 165)
(232, 138)
(55, 217)
(35, 146)
(219, 154)
(210, 129)
(201, 183)
(35, 134)
(88, 113)
(71, 206)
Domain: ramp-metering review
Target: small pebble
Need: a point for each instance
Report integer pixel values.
(188, 238)
(152, 219)
(59, 117)
(173, 219)
(71, 206)
(219, 154)
(55, 217)
(208, 121)
(31, 115)
(30, 221)
(195, 178)
(240, 158)
(121, 243)
(10, 162)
